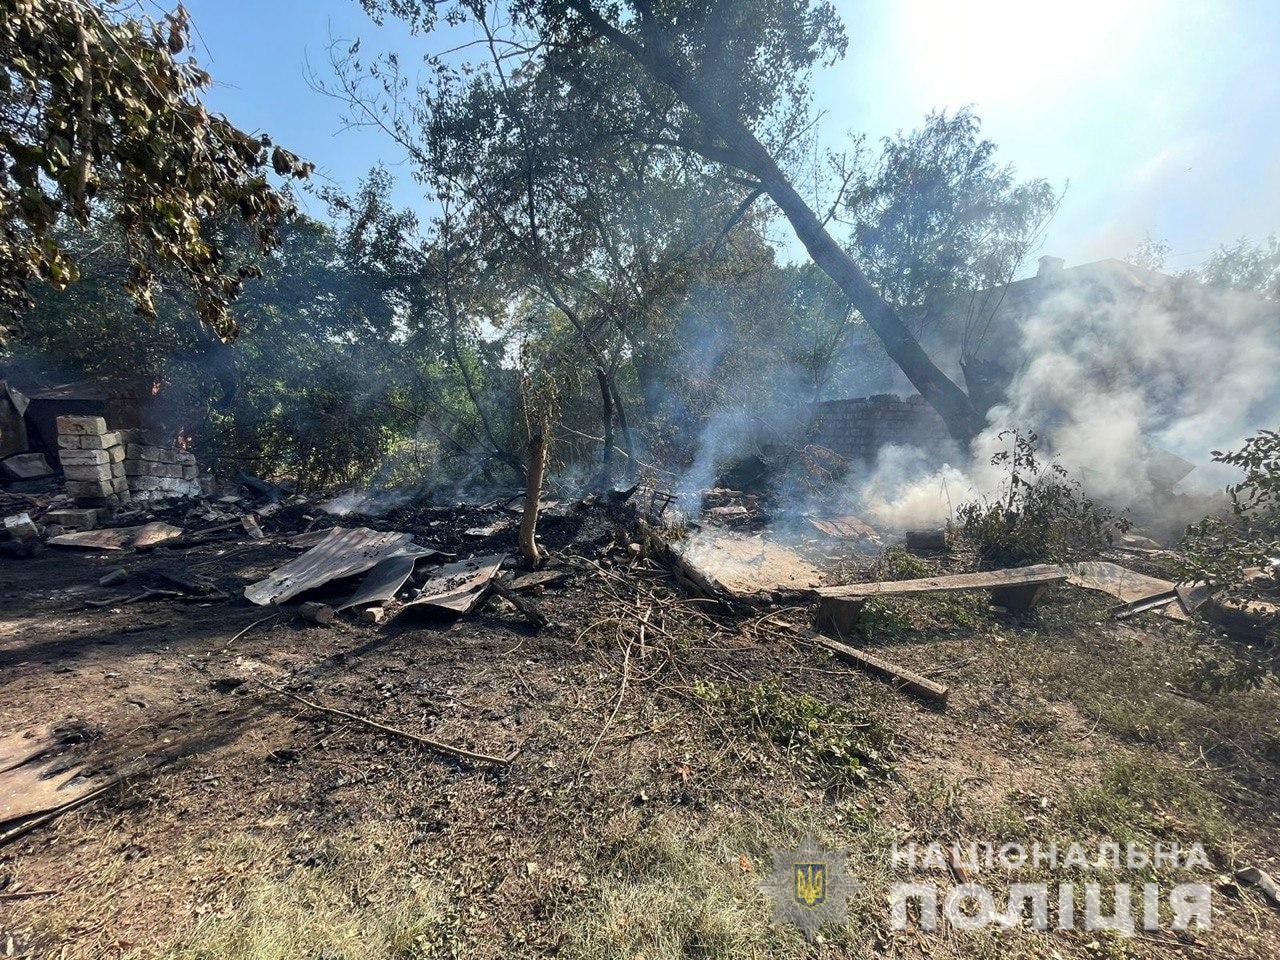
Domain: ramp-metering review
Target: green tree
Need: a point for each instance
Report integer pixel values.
(100, 112)
(935, 214)
(1244, 265)
(735, 76)
(337, 368)
(569, 220)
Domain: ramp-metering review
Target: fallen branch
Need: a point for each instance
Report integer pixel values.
(151, 594)
(394, 731)
(248, 628)
(622, 692)
(528, 609)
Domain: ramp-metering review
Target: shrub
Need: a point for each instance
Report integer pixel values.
(1234, 556)
(1040, 515)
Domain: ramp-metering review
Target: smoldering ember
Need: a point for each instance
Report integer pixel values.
(639, 480)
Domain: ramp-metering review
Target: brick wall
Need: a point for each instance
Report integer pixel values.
(857, 429)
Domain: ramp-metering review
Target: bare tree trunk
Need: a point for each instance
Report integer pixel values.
(539, 438)
(606, 418)
(729, 141)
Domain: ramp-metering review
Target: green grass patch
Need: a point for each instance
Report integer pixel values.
(891, 620)
(833, 745)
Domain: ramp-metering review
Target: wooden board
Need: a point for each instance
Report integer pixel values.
(742, 565)
(119, 538)
(34, 788)
(987, 579)
(17, 748)
(900, 676)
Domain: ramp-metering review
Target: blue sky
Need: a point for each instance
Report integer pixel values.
(1161, 118)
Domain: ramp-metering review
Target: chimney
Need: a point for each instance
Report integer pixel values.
(1050, 266)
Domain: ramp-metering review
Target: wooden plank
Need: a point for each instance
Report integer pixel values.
(119, 538)
(987, 579)
(899, 676)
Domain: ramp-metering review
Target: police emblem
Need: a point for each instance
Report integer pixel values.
(811, 884)
(808, 887)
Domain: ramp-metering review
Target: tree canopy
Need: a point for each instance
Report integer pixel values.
(100, 111)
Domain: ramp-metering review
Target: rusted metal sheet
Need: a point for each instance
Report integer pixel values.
(458, 587)
(343, 553)
(119, 538)
(381, 583)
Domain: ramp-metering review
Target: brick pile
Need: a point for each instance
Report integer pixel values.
(857, 429)
(92, 461)
(108, 468)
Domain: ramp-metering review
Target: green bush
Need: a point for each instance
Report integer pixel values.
(1234, 555)
(1041, 514)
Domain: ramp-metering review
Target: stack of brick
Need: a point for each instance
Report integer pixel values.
(158, 473)
(93, 462)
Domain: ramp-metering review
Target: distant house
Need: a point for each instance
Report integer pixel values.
(977, 337)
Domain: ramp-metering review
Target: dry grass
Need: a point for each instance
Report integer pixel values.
(357, 899)
(639, 818)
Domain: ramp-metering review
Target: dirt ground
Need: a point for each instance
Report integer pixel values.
(665, 746)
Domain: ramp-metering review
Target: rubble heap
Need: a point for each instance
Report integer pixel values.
(107, 468)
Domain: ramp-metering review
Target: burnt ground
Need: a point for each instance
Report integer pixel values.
(665, 746)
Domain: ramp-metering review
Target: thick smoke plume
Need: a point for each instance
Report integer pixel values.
(1114, 371)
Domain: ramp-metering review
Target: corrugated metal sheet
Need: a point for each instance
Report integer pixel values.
(343, 553)
(458, 587)
(381, 583)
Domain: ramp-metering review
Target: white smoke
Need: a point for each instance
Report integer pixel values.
(1127, 361)
(904, 491)
(1114, 366)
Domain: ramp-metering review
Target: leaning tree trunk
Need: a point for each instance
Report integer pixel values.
(953, 405)
(731, 142)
